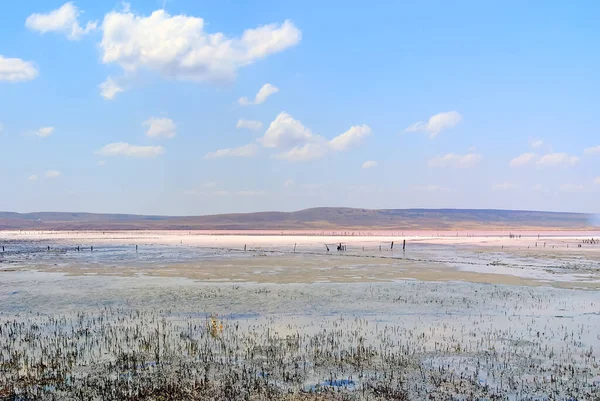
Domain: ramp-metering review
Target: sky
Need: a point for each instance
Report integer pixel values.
(186, 107)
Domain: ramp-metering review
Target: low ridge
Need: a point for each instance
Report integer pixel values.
(323, 218)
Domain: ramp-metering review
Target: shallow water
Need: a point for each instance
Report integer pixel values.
(487, 332)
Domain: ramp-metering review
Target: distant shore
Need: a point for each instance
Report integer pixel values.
(313, 221)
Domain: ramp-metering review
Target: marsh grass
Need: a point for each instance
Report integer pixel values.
(116, 354)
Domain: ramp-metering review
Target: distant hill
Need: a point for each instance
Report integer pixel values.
(325, 218)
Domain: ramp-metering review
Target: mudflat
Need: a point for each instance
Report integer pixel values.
(239, 316)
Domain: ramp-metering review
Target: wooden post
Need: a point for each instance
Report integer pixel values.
(403, 245)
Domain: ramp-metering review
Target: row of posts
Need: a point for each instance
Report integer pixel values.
(78, 248)
(342, 247)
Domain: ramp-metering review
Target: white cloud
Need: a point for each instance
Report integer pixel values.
(249, 124)
(369, 164)
(109, 89)
(101, 163)
(178, 47)
(536, 143)
(285, 132)
(505, 186)
(454, 160)
(263, 93)
(300, 144)
(288, 183)
(33, 177)
(349, 138)
(557, 159)
(522, 160)
(592, 150)
(52, 174)
(16, 70)
(597, 180)
(62, 20)
(160, 127)
(125, 149)
(44, 132)
(436, 123)
(537, 187)
(241, 151)
(571, 188)
(309, 151)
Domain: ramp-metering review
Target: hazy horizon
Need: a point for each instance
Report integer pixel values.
(594, 215)
(180, 108)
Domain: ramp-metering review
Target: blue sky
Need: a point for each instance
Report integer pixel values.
(136, 108)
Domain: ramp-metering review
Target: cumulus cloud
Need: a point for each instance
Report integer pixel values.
(299, 143)
(286, 132)
(52, 174)
(177, 46)
(263, 93)
(110, 88)
(62, 20)
(125, 149)
(436, 123)
(505, 186)
(350, 138)
(309, 151)
(557, 159)
(16, 70)
(592, 150)
(44, 132)
(241, 151)
(456, 160)
(33, 177)
(249, 124)
(522, 160)
(369, 164)
(160, 127)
